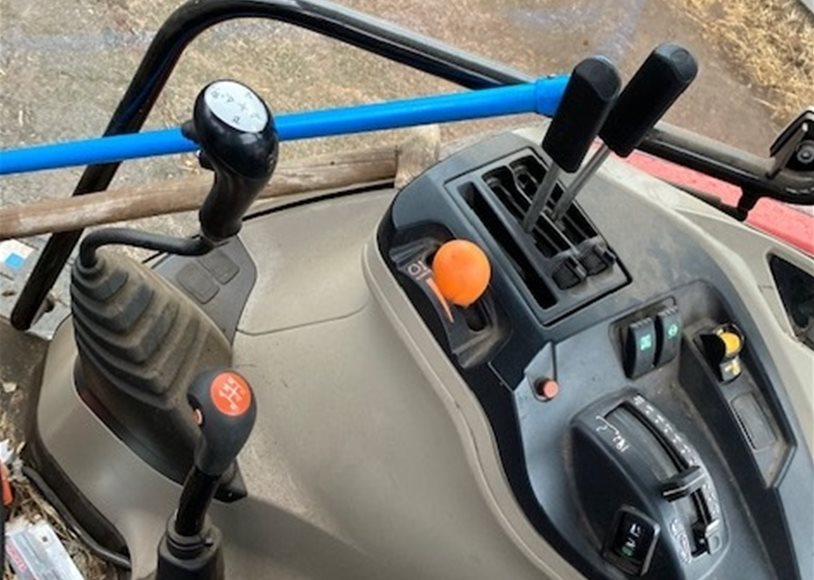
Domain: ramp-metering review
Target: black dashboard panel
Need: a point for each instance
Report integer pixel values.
(659, 456)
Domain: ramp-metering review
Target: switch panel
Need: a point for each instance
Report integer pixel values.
(652, 338)
(631, 541)
(589, 408)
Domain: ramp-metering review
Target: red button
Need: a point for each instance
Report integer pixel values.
(547, 389)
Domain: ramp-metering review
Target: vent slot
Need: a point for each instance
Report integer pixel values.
(517, 257)
(564, 264)
(573, 239)
(526, 173)
(511, 187)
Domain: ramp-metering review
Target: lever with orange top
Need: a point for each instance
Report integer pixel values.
(461, 272)
(225, 409)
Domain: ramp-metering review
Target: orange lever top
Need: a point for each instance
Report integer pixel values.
(461, 271)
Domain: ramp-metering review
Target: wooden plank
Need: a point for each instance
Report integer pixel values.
(418, 152)
(327, 172)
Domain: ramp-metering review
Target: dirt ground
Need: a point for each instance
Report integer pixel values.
(64, 66)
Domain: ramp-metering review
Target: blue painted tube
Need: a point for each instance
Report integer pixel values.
(541, 97)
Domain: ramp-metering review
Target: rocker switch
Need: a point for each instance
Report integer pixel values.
(640, 348)
(668, 329)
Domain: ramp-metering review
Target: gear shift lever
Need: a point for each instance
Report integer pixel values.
(239, 142)
(225, 410)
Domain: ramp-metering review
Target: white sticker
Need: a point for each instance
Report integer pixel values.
(237, 106)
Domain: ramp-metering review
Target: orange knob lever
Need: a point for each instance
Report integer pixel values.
(461, 271)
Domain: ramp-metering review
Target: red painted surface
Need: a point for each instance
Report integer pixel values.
(769, 215)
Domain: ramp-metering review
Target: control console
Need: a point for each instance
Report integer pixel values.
(629, 392)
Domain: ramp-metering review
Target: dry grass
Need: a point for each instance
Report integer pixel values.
(770, 41)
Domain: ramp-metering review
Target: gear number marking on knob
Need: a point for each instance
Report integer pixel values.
(237, 106)
(230, 394)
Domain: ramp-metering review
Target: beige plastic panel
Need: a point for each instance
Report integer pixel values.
(363, 431)
(305, 261)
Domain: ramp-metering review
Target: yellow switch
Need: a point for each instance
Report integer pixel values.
(732, 343)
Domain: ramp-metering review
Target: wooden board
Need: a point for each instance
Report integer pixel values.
(328, 172)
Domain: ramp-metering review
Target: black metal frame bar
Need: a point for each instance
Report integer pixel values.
(729, 164)
(387, 40)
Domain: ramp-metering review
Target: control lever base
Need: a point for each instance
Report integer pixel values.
(140, 341)
(541, 196)
(197, 557)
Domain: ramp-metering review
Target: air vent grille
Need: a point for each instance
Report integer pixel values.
(520, 261)
(515, 185)
(559, 259)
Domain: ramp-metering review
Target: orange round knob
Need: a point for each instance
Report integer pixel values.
(461, 271)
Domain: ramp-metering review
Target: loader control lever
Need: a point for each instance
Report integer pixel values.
(588, 98)
(239, 142)
(661, 79)
(225, 409)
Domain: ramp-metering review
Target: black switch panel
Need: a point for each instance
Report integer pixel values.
(668, 331)
(640, 348)
(631, 541)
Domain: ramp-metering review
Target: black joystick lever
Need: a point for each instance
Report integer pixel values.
(225, 409)
(661, 79)
(238, 141)
(588, 98)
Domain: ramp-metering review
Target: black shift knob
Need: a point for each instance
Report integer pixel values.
(235, 130)
(226, 409)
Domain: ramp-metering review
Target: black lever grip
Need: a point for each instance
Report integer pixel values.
(226, 410)
(589, 95)
(238, 140)
(661, 79)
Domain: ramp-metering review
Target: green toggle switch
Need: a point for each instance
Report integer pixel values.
(668, 330)
(640, 348)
